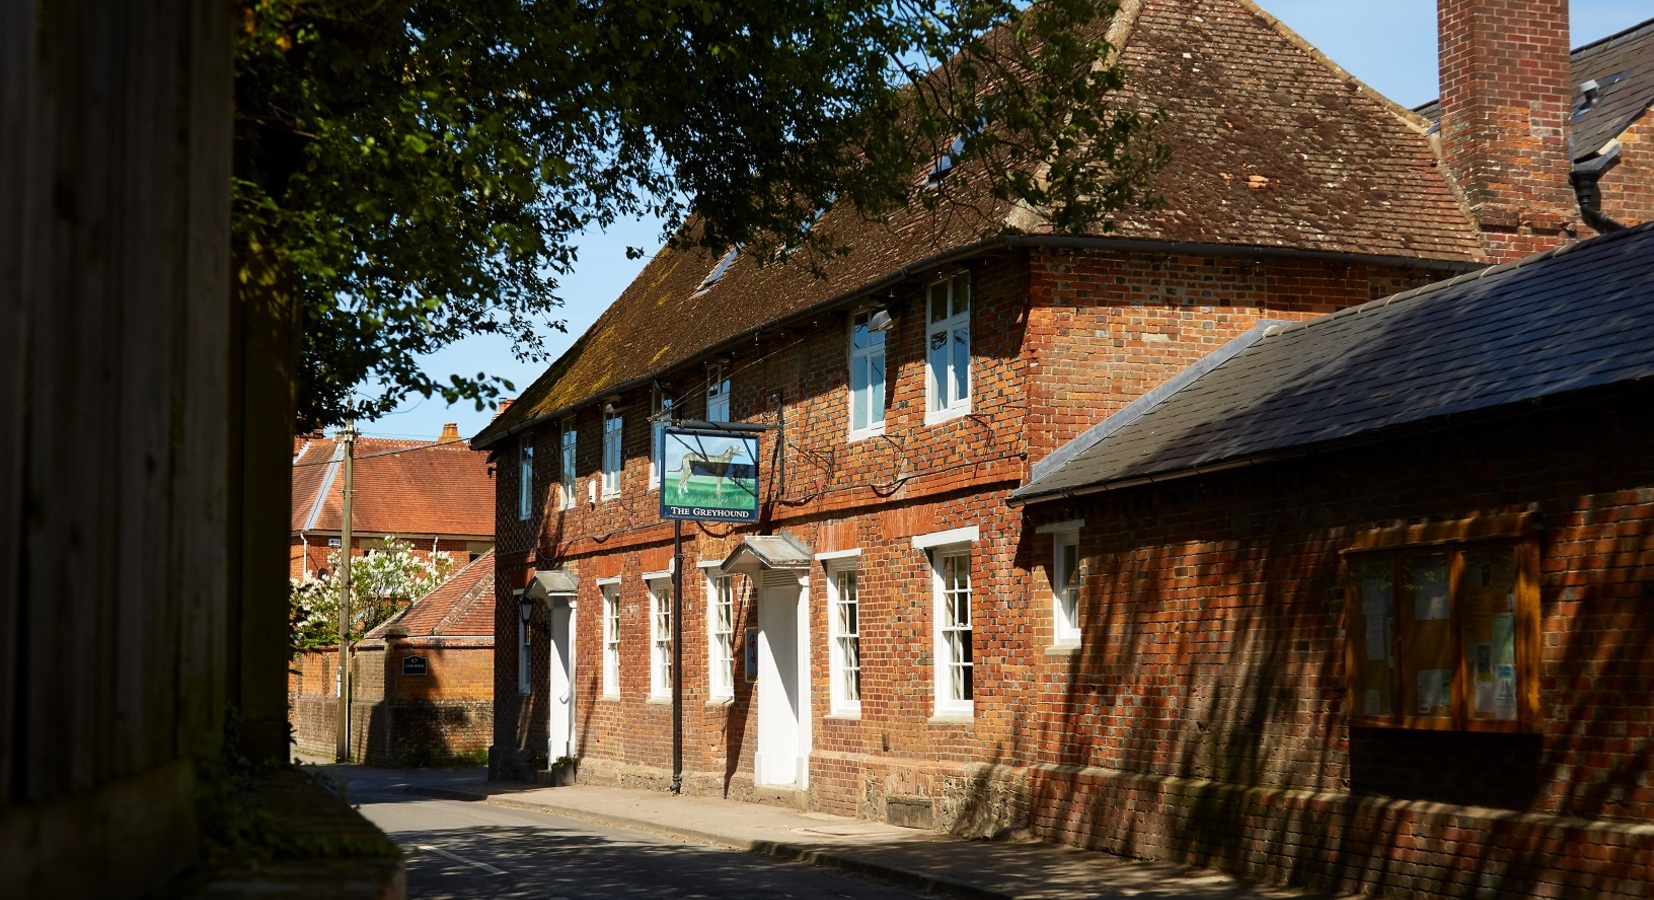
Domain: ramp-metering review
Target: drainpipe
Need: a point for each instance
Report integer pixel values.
(1584, 179)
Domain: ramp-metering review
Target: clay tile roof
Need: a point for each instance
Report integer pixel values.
(462, 606)
(1623, 67)
(402, 488)
(1563, 322)
(1272, 146)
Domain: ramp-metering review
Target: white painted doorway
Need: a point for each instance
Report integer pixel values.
(560, 731)
(783, 686)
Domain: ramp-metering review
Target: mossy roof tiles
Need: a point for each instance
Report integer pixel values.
(1271, 146)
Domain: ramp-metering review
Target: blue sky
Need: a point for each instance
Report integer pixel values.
(1390, 44)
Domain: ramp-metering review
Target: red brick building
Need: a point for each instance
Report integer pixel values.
(422, 681)
(886, 641)
(438, 495)
(1364, 599)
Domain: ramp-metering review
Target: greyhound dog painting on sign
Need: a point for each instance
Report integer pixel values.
(709, 476)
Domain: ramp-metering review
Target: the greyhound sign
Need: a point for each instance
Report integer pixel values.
(708, 475)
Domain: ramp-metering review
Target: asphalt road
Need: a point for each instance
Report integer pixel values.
(468, 849)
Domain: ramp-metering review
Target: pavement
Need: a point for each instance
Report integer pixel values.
(923, 860)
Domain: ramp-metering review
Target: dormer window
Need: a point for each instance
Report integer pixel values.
(718, 270)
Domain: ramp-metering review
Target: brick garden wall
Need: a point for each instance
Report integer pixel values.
(1204, 720)
(398, 720)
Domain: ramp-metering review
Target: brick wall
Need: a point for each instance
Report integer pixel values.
(397, 719)
(1505, 99)
(1204, 720)
(1628, 186)
(1106, 328)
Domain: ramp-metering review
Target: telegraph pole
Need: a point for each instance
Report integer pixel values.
(342, 747)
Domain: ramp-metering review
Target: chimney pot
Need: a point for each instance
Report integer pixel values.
(450, 432)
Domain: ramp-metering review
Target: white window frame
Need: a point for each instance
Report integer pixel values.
(720, 634)
(717, 393)
(610, 589)
(525, 477)
(1065, 583)
(718, 270)
(614, 430)
(943, 399)
(570, 446)
(944, 546)
(659, 587)
(523, 685)
(873, 358)
(660, 407)
(844, 647)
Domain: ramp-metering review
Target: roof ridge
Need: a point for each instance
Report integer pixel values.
(1487, 272)
(326, 486)
(1408, 117)
(1612, 37)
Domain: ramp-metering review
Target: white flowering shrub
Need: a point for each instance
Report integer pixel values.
(382, 585)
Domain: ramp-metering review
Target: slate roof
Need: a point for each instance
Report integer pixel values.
(1623, 64)
(401, 488)
(1574, 319)
(462, 606)
(1272, 146)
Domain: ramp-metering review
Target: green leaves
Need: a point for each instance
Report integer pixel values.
(424, 170)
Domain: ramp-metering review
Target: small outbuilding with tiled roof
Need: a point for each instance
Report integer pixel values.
(423, 680)
(1399, 553)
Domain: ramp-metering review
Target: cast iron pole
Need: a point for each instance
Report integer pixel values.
(677, 656)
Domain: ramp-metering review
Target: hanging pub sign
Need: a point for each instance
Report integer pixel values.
(709, 475)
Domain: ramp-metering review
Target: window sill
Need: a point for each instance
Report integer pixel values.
(612, 698)
(940, 416)
(952, 718)
(843, 715)
(866, 434)
(720, 703)
(659, 701)
(1063, 648)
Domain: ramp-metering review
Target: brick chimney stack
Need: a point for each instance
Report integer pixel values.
(450, 432)
(1506, 97)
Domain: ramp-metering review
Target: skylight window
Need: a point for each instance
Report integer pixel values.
(718, 270)
(944, 163)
